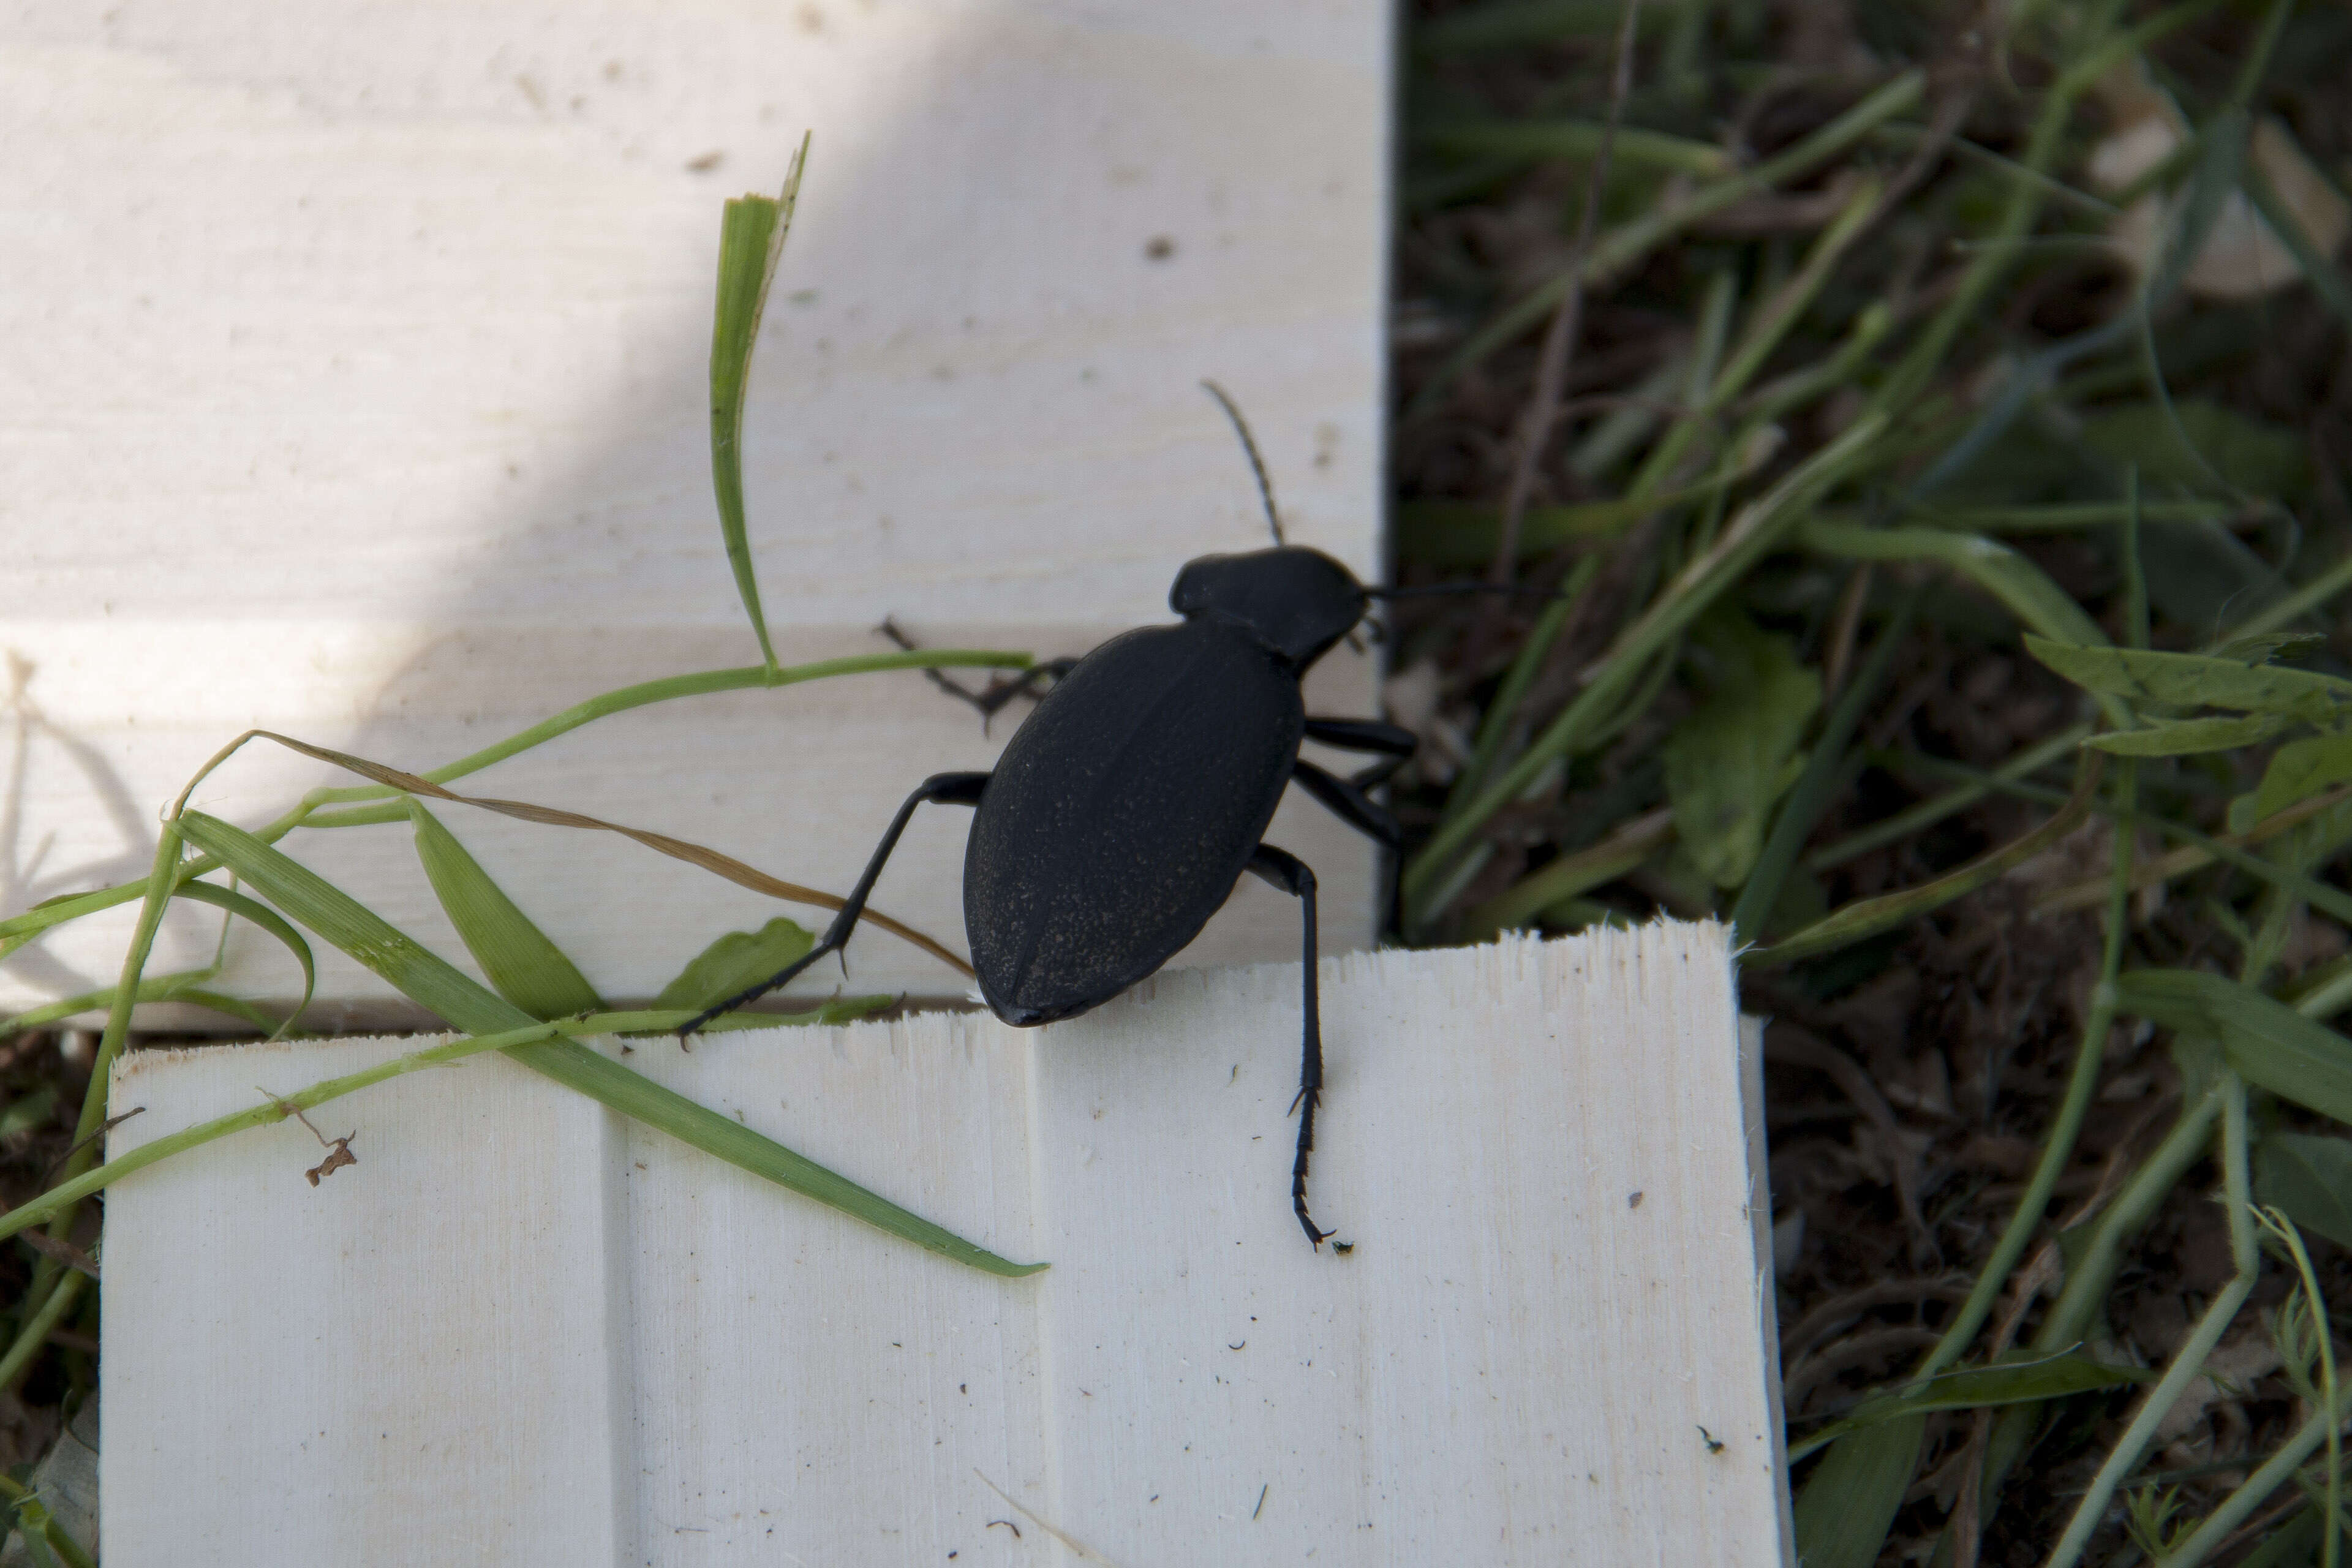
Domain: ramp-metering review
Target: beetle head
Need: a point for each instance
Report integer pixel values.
(1296, 601)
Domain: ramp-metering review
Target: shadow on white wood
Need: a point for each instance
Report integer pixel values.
(368, 343)
(520, 1324)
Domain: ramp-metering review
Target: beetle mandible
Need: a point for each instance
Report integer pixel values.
(1126, 806)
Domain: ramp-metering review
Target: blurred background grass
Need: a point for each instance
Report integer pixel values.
(1812, 355)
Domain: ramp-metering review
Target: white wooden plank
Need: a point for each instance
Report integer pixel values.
(359, 392)
(1512, 1363)
(425, 1356)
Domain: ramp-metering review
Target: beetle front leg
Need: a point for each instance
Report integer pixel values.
(1394, 744)
(946, 789)
(1292, 875)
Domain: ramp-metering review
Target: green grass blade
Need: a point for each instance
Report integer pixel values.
(1867, 917)
(522, 965)
(2022, 588)
(2318, 271)
(152, 989)
(2266, 1042)
(435, 984)
(1848, 1504)
(1623, 246)
(1525, 142)
(268, 920)
(751, 243)
(1760, 526)
(2023, 1379)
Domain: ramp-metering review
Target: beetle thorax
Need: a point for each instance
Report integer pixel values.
(1296, 601)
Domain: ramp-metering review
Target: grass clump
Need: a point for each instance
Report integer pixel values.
(1946, 519)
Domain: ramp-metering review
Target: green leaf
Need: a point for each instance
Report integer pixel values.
(1736, 753)
(439, 987)
(2191, 679)
(2181, 737)
(2309, 1177)
(735, 963)
(751, 243)
(2266, 1042)
(1848, 1503)
(2251, 456)
(522, 965)
(2301, 769)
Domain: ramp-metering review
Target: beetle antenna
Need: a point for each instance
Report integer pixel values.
(1249, 445)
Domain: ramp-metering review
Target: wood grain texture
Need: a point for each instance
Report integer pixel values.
(360, 394)
(1511, 1366)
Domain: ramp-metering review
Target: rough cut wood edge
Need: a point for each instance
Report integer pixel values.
(563, 1340)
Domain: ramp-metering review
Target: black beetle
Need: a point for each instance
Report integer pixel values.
(1126, 806)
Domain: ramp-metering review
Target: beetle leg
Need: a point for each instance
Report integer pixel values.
(1349, 804)
(1291, 874)
(945, 789)
(1363, 735)
(1395, 743)
(998, 692)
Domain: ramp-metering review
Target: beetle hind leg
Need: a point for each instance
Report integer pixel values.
(1292, 875)
(945, 789)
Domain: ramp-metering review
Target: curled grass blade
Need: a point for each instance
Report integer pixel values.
(268, 920)
(434, 983)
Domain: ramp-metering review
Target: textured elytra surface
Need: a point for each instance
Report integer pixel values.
(1122, 813)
